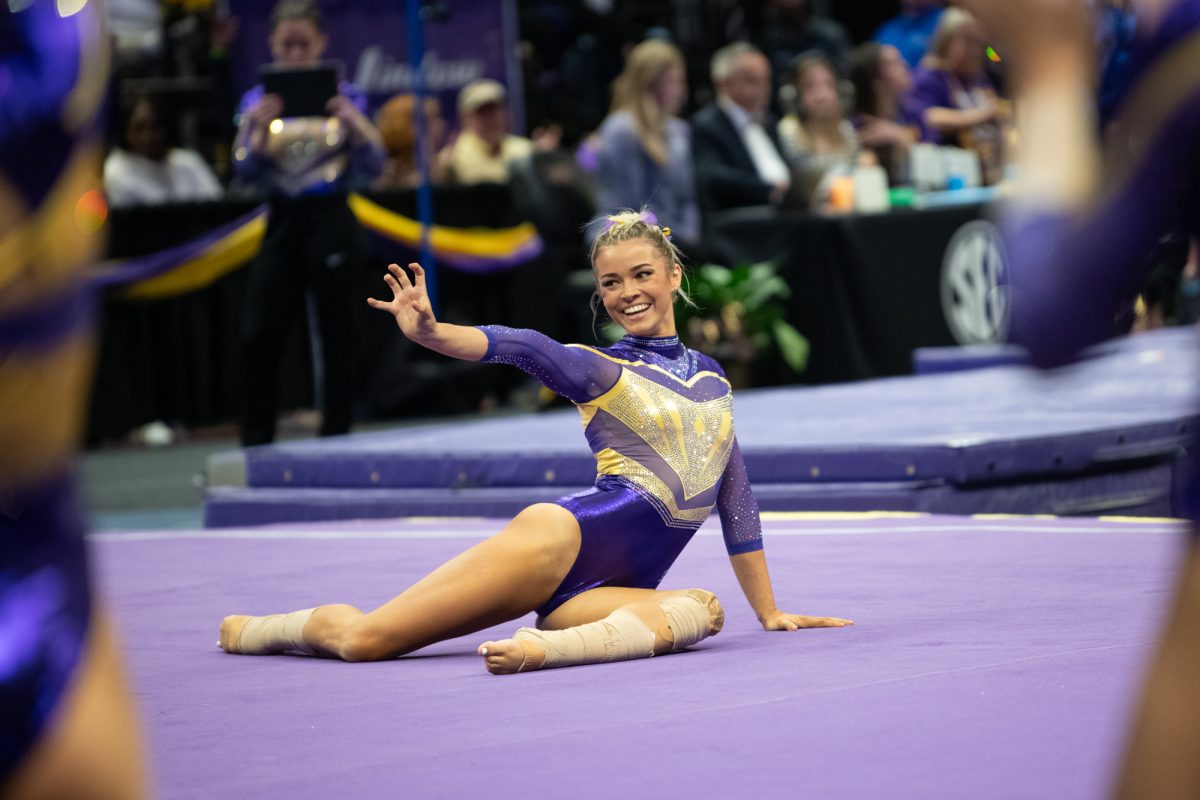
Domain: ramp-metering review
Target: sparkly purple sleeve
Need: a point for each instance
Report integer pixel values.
(740, 524)
(1070, 275)
(576, 373)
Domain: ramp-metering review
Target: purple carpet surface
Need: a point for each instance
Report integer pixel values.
(992, 658)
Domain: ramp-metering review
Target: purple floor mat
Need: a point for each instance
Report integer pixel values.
(1104, 435)
(1137, 401)
(1145, 491)
(933, 360)
(992, 659)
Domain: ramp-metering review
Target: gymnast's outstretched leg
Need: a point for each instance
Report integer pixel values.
(609, 624)
(499, 579)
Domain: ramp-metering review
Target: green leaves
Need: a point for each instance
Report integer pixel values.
(741, 314)
(793, 347)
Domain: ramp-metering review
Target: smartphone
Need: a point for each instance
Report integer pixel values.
(305, 91)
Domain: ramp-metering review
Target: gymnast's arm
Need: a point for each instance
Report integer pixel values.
(742, 529)
(576, 373)
(1078, 234)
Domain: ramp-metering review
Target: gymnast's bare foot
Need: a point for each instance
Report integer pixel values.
(231, 632)
(507, 655)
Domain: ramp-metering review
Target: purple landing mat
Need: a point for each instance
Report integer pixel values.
(992, 658)
(1147, 491)
(933, 360)
(1136, 401)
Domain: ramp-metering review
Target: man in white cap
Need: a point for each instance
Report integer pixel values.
(484, 149)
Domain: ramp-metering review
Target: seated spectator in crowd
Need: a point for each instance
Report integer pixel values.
(817, 136)
(397, 128)
(957, 99)
(739, 160)
(144, 169)
(887, 122)
(910, 30)
(644, 149)
(484, 149)
(791, 28)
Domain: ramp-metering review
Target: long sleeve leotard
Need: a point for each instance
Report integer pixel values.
(659, 420)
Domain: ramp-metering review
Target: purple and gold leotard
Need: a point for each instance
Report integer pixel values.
(53, 78)
(659, 420)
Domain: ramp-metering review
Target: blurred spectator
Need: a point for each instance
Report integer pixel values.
(884, 115)
(699, 27)
(398, 131)
(313, 245)
(957, 99)
(484, 149)
(135, 27)
(791, 28)
(739, 160)
(910, 30)
(645, 153)
(569, 50)
(816, 135)
(144, 169)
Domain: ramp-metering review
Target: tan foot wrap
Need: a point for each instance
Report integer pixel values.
(617, 637)
(695, 616)
(277, 633)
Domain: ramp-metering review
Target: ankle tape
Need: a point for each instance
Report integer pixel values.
(691, 618)
(618, 637)
(277, 633)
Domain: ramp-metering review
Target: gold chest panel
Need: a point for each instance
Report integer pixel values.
(693, 438)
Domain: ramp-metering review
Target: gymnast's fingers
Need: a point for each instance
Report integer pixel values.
(393, 285)
(400, 275)
(418, 275)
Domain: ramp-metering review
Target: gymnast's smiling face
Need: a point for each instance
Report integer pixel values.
(637, 286)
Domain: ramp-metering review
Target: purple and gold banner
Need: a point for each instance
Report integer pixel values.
(464, 40)
(198, 263)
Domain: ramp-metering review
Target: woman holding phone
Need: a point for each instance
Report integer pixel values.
(313, 243)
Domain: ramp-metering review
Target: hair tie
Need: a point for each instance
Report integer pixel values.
(646, 217)
(666, 232)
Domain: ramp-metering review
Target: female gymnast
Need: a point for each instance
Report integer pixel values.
(1077, 240)
(68, 727)
(659, 420)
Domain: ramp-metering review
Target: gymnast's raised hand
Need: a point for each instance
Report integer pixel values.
(413, 312)
(410, 302)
